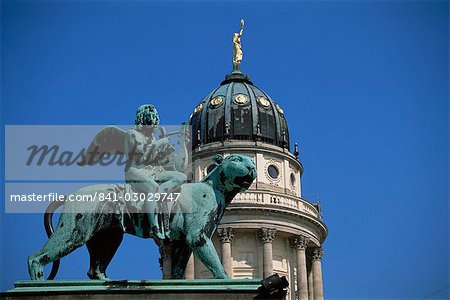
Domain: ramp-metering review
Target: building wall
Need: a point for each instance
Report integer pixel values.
(269, 202)
(288, 181)
(247, 258)
(246, 253)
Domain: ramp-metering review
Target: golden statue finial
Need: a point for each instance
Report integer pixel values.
(237, 48)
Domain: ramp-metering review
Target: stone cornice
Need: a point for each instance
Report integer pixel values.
(294, 218)
(257, 147)
(310, 219)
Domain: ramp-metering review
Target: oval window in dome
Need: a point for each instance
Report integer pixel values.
(273, 171)
(241, 99)
(198, 108)
(292, 179)
(216, 102)
(280, 110)
(263, 102)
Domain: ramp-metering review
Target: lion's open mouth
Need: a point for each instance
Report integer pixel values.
(244, 181)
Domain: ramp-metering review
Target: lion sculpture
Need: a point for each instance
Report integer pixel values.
(194, 218)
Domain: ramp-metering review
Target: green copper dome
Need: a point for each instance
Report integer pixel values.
(238, 110)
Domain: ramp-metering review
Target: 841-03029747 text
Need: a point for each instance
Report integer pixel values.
(168, 197)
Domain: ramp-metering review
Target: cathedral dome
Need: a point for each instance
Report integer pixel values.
(238, 110)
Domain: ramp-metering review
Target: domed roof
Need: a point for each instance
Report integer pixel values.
(238, 110)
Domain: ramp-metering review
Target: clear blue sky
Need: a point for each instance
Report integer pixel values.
(364, 86)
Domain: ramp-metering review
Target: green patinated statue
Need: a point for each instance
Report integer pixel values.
(188, 223)
(152, 165)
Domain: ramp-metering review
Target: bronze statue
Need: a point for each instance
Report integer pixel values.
(237, 48)
(152, 166)
(187, 223)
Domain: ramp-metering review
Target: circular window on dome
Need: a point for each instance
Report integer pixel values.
(263, 102)
(279, 109)
(216, 102)
(292, 179)
(273, 171)
(241, 99)
(210, 168)
(198, 108)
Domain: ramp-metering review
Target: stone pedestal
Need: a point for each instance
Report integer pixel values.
(217, 289)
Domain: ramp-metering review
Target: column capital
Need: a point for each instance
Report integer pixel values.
(267, 234)
(317, 254)
(226, 234)
(300, 242)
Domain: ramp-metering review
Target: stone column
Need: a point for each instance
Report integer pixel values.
(267, 235)
(190, 270)
(310, 281)
(226, 237)
(317, 273)
(165, 262)
(300, 243)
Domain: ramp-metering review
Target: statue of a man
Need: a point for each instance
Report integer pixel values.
(152, 167)
(237, 48)
(147, 163)
(140, 145)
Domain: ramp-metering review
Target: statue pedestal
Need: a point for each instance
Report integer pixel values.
(216, 289)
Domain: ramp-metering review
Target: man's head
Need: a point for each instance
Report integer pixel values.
(147, 115)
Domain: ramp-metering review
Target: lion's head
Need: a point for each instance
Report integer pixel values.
(235, 172)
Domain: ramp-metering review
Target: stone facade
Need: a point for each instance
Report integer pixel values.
(270, 228)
